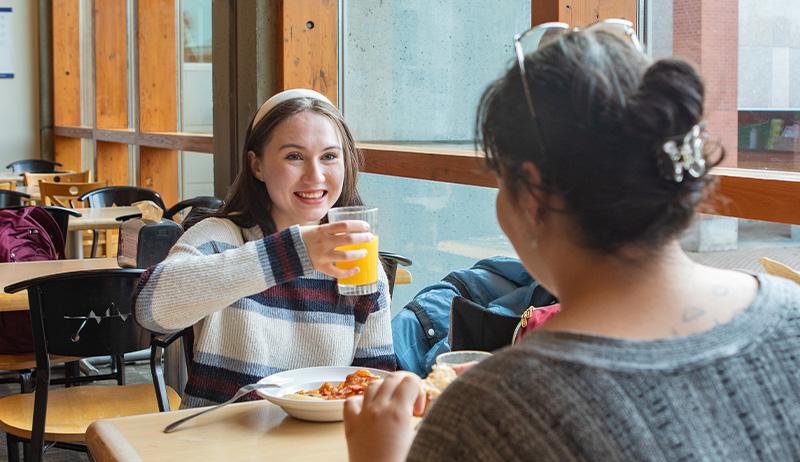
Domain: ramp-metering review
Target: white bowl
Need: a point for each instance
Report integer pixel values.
(310, 378)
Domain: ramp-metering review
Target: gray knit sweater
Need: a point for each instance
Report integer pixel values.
(732, 394)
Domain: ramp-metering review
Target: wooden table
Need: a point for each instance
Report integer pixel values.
(255, 430)
(8, 176)
(11, 273)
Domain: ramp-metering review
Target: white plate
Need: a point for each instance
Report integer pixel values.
(310, 378)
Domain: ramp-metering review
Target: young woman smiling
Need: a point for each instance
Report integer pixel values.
(257, 279)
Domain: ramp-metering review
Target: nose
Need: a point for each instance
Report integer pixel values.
(313, 172)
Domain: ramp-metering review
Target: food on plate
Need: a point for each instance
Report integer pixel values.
(440, 377)
(354, 384)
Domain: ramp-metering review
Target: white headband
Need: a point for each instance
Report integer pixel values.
(286, 95)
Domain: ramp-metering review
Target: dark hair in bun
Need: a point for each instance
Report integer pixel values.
(604, 113)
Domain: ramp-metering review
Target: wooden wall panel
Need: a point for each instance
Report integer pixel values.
(158, 170)
(157, 66)
(112, 163)
(111, 64)
(68, 153)
(66, 63)
(310, 54)
(582, 12)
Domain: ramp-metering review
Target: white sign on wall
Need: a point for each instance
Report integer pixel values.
(6, 48)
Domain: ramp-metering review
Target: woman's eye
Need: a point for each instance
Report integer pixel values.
(294, 156)
(330, 156)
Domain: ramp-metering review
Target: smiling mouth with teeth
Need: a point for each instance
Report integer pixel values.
(313, 195)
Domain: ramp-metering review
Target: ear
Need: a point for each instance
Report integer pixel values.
(255, 165)
(532, 204)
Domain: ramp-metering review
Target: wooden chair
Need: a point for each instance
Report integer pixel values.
(81, 314)
(32, 179)
(777, 268)
(66, 194)
(8, 185)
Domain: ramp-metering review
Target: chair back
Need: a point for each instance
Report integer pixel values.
(12, 198)
(207, 202)
(66, 194)
(8, 185)
(33, 166)
(84, 313)
(121, 196)
(32, 179)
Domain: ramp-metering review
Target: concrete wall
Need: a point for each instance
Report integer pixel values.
(197, 168)
(19, 97)
(413, 70)
(769, 54)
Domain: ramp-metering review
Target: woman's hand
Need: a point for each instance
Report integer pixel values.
(378, 425)
(321, 242)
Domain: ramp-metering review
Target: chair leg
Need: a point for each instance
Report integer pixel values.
(94, 243)
(12, 444)
(25, 381)
(72, 370)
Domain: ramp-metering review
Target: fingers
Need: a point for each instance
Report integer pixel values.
(461, 368)
(346, 226)
(352, 408)
(409, 392)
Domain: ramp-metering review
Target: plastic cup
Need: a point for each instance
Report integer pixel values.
(456, 358)
(366, 280)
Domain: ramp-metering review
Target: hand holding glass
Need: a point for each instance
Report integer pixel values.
(366, 280)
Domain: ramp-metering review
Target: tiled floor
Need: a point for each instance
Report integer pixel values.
(135, 373)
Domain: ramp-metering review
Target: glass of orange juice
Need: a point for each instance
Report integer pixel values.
(366, 280)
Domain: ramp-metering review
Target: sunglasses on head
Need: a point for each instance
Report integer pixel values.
(539, 36)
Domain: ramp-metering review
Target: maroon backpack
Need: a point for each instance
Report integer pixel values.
(26, 234)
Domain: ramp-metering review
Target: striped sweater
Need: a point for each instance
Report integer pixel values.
(258, 307)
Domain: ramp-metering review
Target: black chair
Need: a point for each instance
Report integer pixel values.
(390, 261)
(12, 198)
(121, 196)
(118, 196)
(33, 166)
(79, 314)
(20, 365)
(206, 202)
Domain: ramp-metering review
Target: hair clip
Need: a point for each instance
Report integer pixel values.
(688, 157)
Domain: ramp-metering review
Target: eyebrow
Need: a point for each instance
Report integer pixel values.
(297, 146)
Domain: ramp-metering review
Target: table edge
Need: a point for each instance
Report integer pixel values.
(105, 443)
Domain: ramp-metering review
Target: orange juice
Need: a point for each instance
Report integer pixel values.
(368, 265)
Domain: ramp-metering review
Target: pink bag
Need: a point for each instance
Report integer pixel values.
(534, 317)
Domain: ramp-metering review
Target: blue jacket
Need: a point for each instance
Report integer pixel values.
(420, 330)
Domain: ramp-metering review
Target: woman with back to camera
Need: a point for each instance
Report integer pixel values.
(257, 279)
(653, 356)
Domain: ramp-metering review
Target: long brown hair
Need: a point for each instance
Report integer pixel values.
(248, 203)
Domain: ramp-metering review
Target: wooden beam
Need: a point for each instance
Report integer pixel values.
(451, 166)
(310, 46)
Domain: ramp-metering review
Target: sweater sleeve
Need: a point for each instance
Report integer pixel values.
(210, 268)
(374, 344)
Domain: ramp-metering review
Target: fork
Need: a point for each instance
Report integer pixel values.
(241, 392)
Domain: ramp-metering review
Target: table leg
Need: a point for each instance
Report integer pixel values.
(74, 244)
